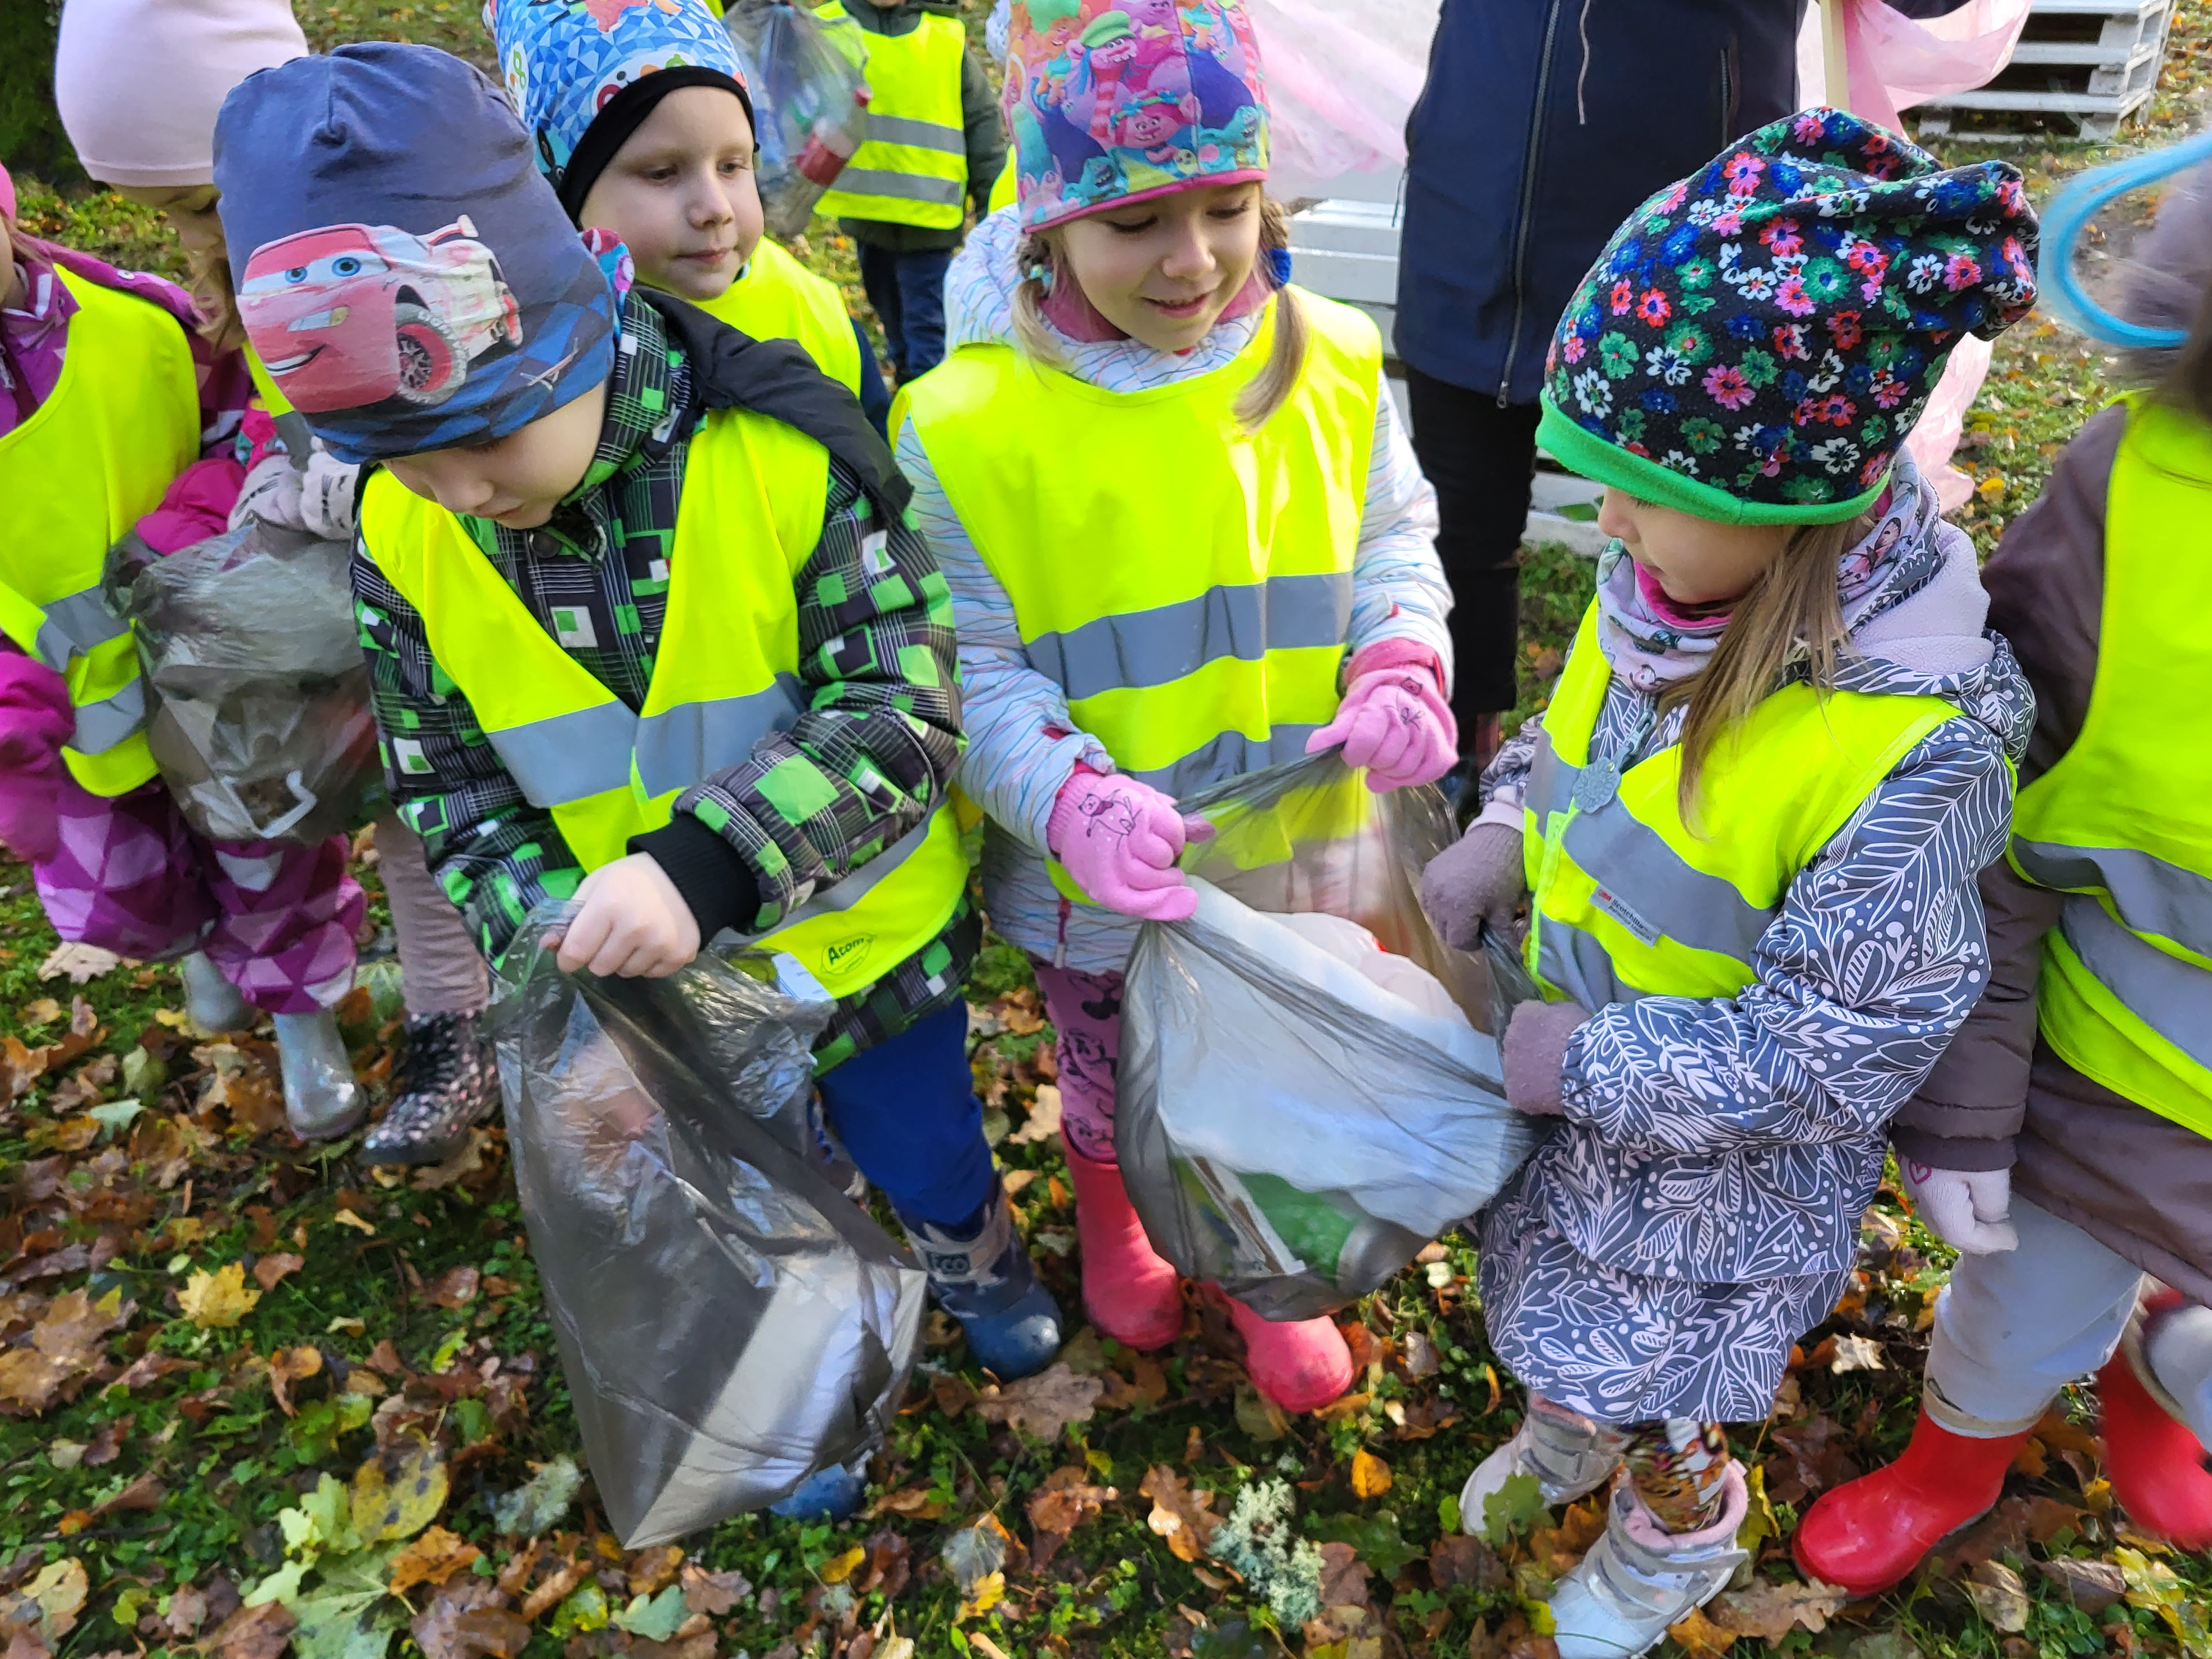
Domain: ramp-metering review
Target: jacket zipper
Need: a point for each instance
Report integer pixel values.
(1529, 203)
(1728, 95)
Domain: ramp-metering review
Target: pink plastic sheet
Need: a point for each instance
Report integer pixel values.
(1895, 62)
(1342, 75)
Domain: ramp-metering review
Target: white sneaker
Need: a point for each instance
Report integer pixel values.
(1566, 1453)
(1638, 1580)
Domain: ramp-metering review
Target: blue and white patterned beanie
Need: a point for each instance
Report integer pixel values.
(583, 74)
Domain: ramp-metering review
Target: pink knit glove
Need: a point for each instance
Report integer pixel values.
(1535, 1053)
(1120, 839)
(1394, 719)
(35, 721)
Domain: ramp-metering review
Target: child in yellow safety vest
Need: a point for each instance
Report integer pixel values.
(1751, 814)
(647, 626)
(1187, 539)
(644, 125)
(138, 83)
(935, 146)
(2063, 1143)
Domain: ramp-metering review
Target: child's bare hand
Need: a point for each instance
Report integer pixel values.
(631, 923)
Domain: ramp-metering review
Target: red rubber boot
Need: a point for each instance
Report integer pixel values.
(2156, 1466)
(1865, 1535)
(1301, 1364)
(1130, 1292)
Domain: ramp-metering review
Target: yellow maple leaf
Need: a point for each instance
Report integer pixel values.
(433, 1558)
(837, 1572)
(217, 1300)
(399, 1494)
(988, 1594)
(1370, 1475)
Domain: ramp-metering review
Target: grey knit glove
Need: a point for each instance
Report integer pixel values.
(1479, 879)
(1536, 1051)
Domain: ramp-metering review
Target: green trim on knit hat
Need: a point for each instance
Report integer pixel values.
(1582, 451)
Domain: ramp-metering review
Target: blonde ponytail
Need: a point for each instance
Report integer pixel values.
(1790, 610)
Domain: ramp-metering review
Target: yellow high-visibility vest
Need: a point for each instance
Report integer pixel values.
(2123, 821)
(779, 299)
(118, 426)
(726, 676)
(1187, 583)
(912, 168)
(1007, 190)
(1629, 901)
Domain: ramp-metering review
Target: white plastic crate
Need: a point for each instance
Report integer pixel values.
(2093, 61)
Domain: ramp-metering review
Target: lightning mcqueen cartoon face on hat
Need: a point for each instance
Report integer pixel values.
(349, 315)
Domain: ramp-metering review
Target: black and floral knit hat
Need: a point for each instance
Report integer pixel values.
(1757, 340)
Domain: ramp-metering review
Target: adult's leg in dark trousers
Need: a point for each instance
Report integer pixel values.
(921, 310)
(1480, 458)
(880, 280)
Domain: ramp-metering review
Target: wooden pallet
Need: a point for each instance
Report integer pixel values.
(2095, 61)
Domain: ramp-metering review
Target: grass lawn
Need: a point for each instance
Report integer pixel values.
(254, 1395)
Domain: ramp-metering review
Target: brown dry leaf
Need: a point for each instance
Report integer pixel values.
(69, 1340)
(1774, 1610)
(1856, 1353)
(1042, 1404)
(1370, 1475)
(653, 1571)
(218, 1300)
(437, 1629)
(383, 1360)
(79, 962)
(1064, 1503)
(454, 1288)
(1179, 1514)
(1699, 1637)
(1420, 1358)
(261, 1632)
(51, 1600)
(1457, 1560)
(1813, 1459)
(72, 1134)
(290, 1365)
(552, 1592)
(269, 1271)
(1997, 1593)
(891, 1567)
(2091, 1586)
(1345, 1409)
(433, 1558)
(916, 1503)
(41, 1011)
(715, 1593)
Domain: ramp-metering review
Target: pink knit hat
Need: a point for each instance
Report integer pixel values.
(138, 82)
(1117, 100)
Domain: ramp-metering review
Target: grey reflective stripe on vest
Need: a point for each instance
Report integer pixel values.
(571, 756)
(1551, 786)
(905, 186)
(1229, 755)
(1572, 961)
(2152, 895)
(1158, 647)
(2172, 997)
(847, 893)
(101, 726)
(1647, 888)
(681, 746)
(72, 625)
(921, 135)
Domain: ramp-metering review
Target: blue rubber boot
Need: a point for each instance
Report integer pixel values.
(830, 1494)
(986, 1281)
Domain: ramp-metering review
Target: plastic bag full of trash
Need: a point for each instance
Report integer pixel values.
(257, 691)
(1295, 1122)
(730, 1322)
(810, 103)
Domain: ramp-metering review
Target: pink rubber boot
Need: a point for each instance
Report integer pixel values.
(1131, 1294)
(1301, 1364)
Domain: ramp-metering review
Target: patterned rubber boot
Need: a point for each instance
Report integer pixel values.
(986, 1281)
(1638, 1579)
(1868, 1534)
(1299, 1363)
(321, 1099)
(1130, 1292)
(1566, 1454)
(446, 1081)
(2156, 1466)
(830, 1494)
(213, 1001)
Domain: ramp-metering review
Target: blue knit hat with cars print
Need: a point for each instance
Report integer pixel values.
(584, 74)
(404, 273)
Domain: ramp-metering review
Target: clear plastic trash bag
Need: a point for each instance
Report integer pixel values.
(730, 1322)
(257, 691)
(810, 103)
(1287, 1126)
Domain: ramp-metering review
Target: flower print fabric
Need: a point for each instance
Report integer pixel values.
(1769, 330)
(1114, 100)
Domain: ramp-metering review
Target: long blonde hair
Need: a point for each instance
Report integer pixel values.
(206, 264)
(1043, 264)
(1791, 613)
